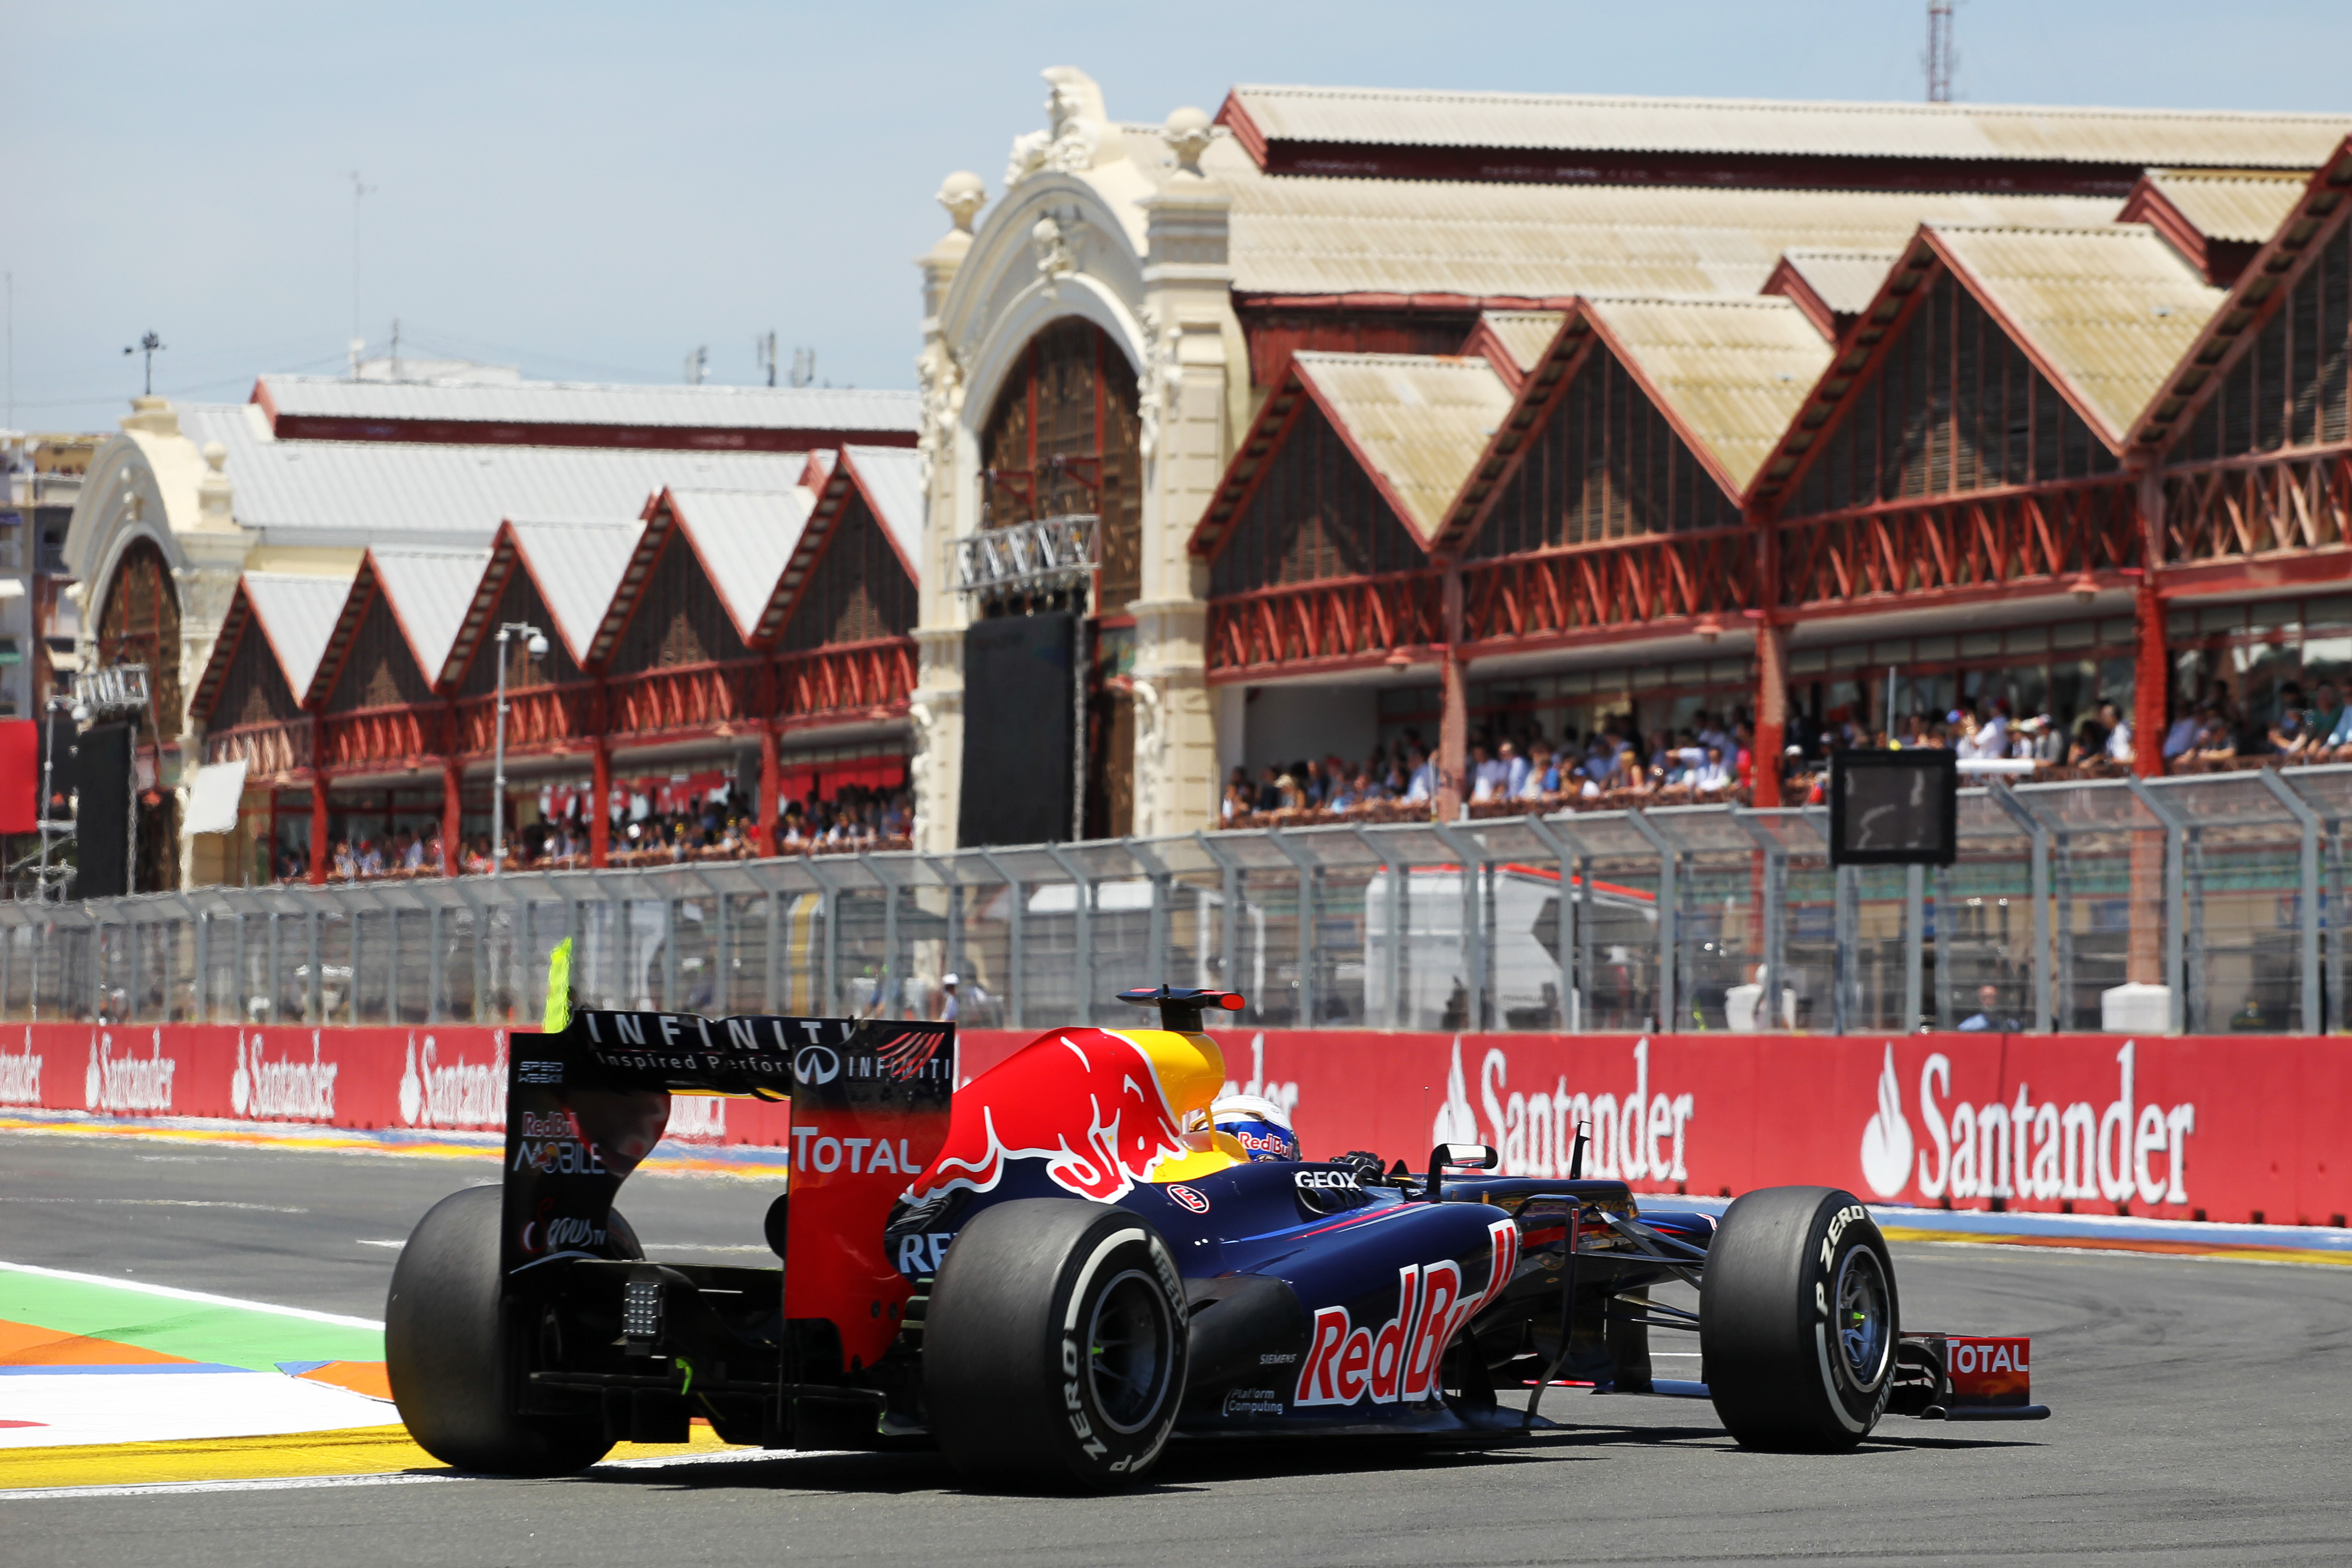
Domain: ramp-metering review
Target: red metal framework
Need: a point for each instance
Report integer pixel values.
(1633, 583)
(556, 718)
(2248, 508)
(1342, 624)
(1976, 545)
(373, 739)
(270, 750)
(820, 685)
(713, 699)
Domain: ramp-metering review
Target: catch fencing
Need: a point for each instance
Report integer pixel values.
(2226, 890)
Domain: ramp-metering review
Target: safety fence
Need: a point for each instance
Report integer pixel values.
(2219, 898)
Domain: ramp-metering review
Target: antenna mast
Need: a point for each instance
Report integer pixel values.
(359, 189)
(1939, 51)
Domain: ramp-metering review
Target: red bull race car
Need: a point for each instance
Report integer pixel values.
(1056, 1269)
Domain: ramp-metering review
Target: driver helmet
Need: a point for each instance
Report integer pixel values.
(1258, 1124)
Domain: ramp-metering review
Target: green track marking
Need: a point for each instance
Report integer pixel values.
(231, 1333)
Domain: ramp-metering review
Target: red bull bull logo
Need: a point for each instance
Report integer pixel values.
(1093, 1105)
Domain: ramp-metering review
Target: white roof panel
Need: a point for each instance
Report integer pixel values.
(430, 591)
(680, 406)
(1575, 121)
(577, 564)
(356, 493)
(893, 481)
(745, 538)
(299, 614)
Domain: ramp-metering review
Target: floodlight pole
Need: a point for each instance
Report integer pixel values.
(537, 643)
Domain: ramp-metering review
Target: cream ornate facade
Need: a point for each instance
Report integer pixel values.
(1117, 224)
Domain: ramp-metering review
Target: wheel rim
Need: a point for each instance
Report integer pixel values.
(1863, 1331)
(1131, 1342)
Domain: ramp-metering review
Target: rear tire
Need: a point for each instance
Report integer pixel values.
(456, 1369)
(1799, 1320)
(1054, 1347)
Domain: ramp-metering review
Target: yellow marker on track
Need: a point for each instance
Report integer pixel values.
(364, 1451)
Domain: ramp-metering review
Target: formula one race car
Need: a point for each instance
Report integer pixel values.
(1052, 1270)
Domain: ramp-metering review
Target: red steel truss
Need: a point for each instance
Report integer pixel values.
(1341, 623)
(268, 750)
(1961, 547)
(685, 702)
(1555, 593)
(2244, 509)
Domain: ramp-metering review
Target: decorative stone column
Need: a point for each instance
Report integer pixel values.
(936, 770)
(214, 553)
(1194, 379)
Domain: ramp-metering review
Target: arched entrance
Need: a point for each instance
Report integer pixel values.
(1065, 436)
(139, 624)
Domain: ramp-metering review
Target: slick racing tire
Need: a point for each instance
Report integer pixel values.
(456, 1370)
(1799, 1320)
(1054, 1347)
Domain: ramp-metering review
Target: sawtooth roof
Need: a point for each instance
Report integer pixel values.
(577, 564)
(892, 481)
(2244, 206)
(1417, 421)
(2108, 312)
(1522, 335)
(430, 591)
(298, 615)
(743, 539)
(1845, 280)
(1731, 373)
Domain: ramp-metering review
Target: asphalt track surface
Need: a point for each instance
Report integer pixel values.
(2200, 1419)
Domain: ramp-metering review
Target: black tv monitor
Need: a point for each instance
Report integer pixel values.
(1893, 809)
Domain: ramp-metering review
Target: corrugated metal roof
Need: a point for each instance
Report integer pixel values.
(1297, 235)
(892, 478)
(577, 564)
(1734, 372)
(359, 492)
(2242, 205)
(1421, 421)
(597, 403)
(744, 538)
(1524, 334)
(430, 591)
(1376, 116)
(2110, 309)
(298, 613)
(1846, 280)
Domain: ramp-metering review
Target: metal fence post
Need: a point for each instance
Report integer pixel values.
(2175, 876)
(1016, 959)
(1400, 954)
(1563, 845)
(1155, 937)
(1915, 942)
(2308, 903)
(830, 891)
(1082, 902)
(1470, 854)
(1229, 936)
(1307, 913)
(772, 999)
(2039, 851)
(1846, 917)
(1668, 907)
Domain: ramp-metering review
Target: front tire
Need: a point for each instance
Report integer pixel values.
(456, 1369)
(1054, 1344)
(1799, 1320)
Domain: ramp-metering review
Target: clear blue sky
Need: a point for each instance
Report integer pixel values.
(592, 190)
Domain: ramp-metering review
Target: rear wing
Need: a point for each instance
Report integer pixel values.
(869, 1109)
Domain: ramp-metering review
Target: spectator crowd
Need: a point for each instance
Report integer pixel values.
(721, 828)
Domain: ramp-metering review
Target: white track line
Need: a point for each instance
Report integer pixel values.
(205, 1297)
(175, 1488)
(404, 1477)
